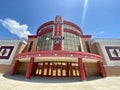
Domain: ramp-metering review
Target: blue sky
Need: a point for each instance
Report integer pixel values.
(99, 18)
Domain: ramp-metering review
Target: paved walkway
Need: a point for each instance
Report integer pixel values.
(8, 82)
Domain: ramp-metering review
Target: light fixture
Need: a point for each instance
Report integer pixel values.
(55, 54)
(47, 38)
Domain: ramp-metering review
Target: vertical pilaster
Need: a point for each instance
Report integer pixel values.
(57, 33)
(15, 67)
(29, 68)
(101, 68)
(71, 69)
(81, 69)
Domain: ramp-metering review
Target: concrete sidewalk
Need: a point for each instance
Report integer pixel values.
(8, 82)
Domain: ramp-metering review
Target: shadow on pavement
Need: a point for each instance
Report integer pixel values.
(38, 79)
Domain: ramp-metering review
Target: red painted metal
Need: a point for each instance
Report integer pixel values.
(71, 31)
(57, 70)
(29, 69)
(81, 69)
(32, 36)
(15, 67)
(48, 67)
(59, 53)
(101, 68)
(86, 36)
(52, 68)
(35, 67)
(67, 69)
(61, 69)
(71, 69)
(43, 67)
(46, 31)
(44, 25)
(64, 22)
(74, 25)
(57, 32)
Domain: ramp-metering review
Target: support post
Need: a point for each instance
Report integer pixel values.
(101, 69)
(43, 67)
(29, 68)
(71, 69)
(81, 69)
(67, 69)
(48, 68)
(15, 67)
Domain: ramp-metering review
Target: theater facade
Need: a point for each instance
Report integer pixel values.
(60, 49)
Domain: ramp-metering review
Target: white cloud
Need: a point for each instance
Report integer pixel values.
(15, 28)
(84, 11)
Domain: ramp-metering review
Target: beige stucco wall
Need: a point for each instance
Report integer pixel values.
(82, 40)
(34, 46)
(7, 64)
(112, 67)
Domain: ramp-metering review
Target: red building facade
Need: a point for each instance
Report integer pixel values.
(59, 49)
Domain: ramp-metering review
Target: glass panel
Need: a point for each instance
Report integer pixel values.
(77, 72)
(37, 72)
(64, 72)
(74, 73)
(71, 41)
(49, 71)
(59, 72)
(44, 42)
(45, 71)
(54, 72)
(40, 72)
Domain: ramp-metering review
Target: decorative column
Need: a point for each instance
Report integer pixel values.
(57, 45)
(101, 69)
(15, 67)
(29, 69)
(81, 69)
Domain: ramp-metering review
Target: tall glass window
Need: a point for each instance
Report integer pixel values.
(45, 42)
(71, 42)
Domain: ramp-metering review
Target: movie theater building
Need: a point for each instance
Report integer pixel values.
(60, 49)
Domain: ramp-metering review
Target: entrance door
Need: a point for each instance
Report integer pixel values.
(56, 69)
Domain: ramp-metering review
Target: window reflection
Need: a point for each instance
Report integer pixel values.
(71, 42)
(45, 42)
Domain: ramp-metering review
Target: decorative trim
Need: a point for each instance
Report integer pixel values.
(4, 53)
(30, 46)
(86, 36)
(74, 25)
(59, 53)
(32, 36)
(44, 25)
(113, 52)
(87, 46)
(71, 31)
(46, 31)
(57, 32)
